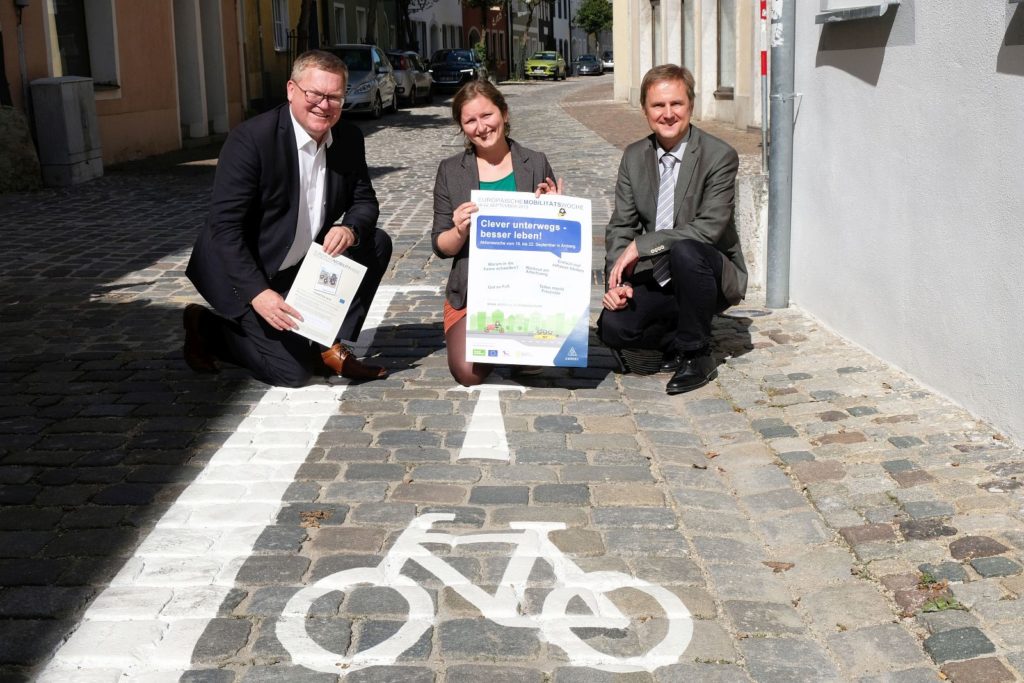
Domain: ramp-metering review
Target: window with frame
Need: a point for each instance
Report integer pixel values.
(339, 27)
(85, 39)
(279, 12)
(383, 33)
(656, 31)
(726, 48)
(689, 37)
(360, 24)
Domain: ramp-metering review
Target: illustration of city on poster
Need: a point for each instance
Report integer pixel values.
(529, 280)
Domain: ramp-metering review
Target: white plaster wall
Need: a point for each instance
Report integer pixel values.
(441, 13)
(908, 198)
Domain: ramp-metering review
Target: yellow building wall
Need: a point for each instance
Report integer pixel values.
(266, 68)
(141, 117)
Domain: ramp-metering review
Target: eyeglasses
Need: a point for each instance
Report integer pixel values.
(314, 97)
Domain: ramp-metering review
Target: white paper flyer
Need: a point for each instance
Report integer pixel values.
(322, 293)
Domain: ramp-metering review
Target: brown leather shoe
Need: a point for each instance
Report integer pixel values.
(197, 356)
(340, 360)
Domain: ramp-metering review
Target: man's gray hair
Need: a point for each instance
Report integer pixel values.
(318, 59)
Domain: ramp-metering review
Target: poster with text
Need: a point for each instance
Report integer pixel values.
(529, 280)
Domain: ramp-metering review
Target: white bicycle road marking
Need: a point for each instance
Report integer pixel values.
(555, 623)
(147, 623)
(485, 435)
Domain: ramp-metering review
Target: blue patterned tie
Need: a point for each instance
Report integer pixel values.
(666, 204)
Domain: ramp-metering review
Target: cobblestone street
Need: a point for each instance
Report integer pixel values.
(812, 515)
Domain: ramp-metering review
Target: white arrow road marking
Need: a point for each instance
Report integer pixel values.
(485, 435)
(146, 624)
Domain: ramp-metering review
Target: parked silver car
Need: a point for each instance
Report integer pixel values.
(371, 80)
(607, 60)
(414, 82)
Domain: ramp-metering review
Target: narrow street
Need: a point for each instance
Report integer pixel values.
(812, 515)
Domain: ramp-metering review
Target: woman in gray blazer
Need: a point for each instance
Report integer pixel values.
(492, 161)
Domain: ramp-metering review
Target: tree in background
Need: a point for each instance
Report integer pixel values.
(531, 6)
(302, 42)
(593, 17)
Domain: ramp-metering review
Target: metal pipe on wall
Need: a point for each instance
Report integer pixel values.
(780, 162)
(26, 94)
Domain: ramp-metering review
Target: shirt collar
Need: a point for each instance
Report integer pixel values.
(302, 138)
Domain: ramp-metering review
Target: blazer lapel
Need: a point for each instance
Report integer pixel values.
(521, 168)
(686, 169)
(288, 151)
(653, 179)
(470, 179)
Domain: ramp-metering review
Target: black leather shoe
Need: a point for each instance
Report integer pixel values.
(693, 374)
(671, 362)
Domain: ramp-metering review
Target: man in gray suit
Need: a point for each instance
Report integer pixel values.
(673, 254)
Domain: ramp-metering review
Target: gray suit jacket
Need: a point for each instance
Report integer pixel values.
(705, 190)
(457, 176)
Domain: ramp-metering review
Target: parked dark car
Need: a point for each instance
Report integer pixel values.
(452, 68)
(588, 65)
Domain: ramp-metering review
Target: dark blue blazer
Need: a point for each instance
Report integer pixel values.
(254, 207)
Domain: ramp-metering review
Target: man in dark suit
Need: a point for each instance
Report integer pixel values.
(285, 179)
(673, 254)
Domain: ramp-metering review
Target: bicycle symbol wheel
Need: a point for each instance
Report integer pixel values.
(558, 625)
(305, 651)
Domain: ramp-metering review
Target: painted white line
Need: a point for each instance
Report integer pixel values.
(485, 434)
(146, 624)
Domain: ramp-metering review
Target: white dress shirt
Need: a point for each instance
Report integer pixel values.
(312, 180)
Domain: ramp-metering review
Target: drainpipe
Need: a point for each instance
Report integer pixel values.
(264, 75)
(26, 95)
(780, 162)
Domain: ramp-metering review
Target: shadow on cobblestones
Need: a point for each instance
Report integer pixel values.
(101, 423)
(406, 118)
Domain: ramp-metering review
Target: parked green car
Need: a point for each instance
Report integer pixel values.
(546, 65)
